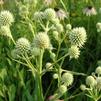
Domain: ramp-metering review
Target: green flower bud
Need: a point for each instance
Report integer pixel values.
(67, 79)
(56, 35)
(49, 65)
(50, 14)
(83, 87)
(15, 54)
(78, 36)
(41, 40)
(90, 81)
(23, 11)
(98, 70)
(35, 51)
(55, 76)
(55, 21)
(59, 27)
(23, 46)
(98, 26)
(68, 27)
(74, 52)
(6, 18)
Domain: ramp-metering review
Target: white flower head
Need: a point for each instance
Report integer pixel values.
(78, 36)
(6, 18)
(41, 40)
(74, 52)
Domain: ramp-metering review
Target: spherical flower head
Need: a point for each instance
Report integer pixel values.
(98, 70)
(38, 16)
(74, 52)
(49, 65)
(50, 14)
(59, 27)
(42, 41)
(98, 79)
(5, 31)
(35, 51)
(23, 46)
(78, 36)
(62, 89)
(55, 21)
(6, 18)
(56, 35)
(83, 87)
(68, 26)
(55, 76)
(90, 81)
(89, 10)
(67, 79)
(98, 26)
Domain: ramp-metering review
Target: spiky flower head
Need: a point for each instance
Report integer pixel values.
(98, 70)
(41, 40)
(83, 87)
(78, 36)
(50, 14)
(62, 89)
(67, 79)
(5, 31)
(98, 26)
(6, 18)
(38, 16)
(90, 81)
(23, 46)
(73, 52)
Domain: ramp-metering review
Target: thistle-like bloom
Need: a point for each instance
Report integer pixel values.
(50, 14)
(98, 26)
(89, 10)
(98, 70)
(90, 81)
(41, 40)
(38, 16)
(74, 52)
(67, 79)
(23, 46)
(5, 31)
(6, 18)
(78, 36)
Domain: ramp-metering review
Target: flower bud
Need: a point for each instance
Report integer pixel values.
(98, 70)
(83, 87)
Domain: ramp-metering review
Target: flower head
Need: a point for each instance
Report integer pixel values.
(89, 10)
(74, 52)
(83, 87)
(50, 14)
(90, 81)
(62, 89)
(98, 26)
(78, 36)
(5, 31)
(23, 46)
(41, 40)
(6, 18)
(67, 79)
(98, 70)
